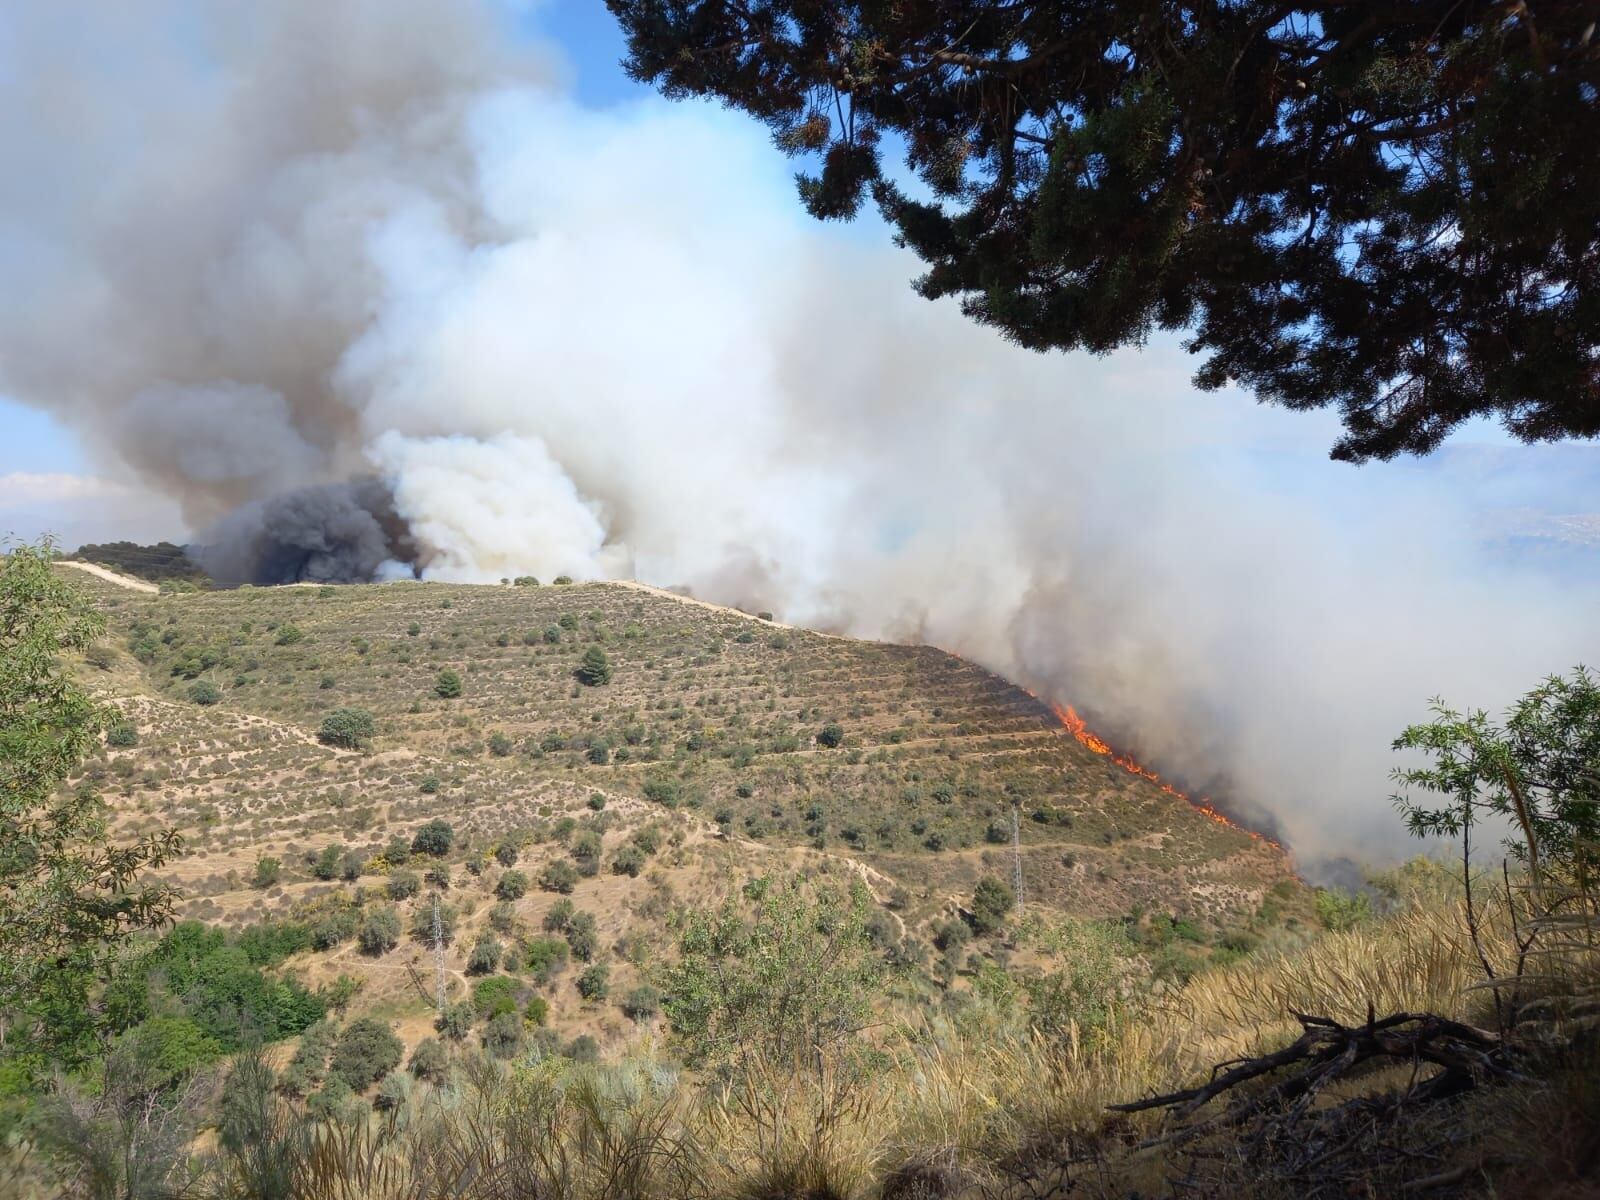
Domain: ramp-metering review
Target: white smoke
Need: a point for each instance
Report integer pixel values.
(287, 244)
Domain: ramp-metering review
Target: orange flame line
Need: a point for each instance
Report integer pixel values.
(1074, 724)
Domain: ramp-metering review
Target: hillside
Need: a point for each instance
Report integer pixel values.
(706, 737)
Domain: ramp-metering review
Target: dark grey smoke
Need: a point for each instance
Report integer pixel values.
(329, 533)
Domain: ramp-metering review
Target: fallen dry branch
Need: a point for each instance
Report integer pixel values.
(1465, 1055)
(1277, 1131)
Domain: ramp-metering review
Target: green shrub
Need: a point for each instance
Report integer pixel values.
(526, 581)
(435, 838)
(559, 916)
(429, 785)
(430, 1061)
(448, 685)
(559, 876)
(502, 1037)
(562, 580)
(288, 635)
(537, 1011)
(422, 923)
(831, 735)
(350, 728)
(595, 669)
(582, 936)
(204, 692)
(628, 860)
(367, 1051)
(513, 885)
(266, 873)
(495, 995)
(402, 885)
(595, 982)
(991, 901)
(380, 931)
(326, 865)
(455, 1022)
(545, 958)
(586, 851)
(499, 744)
(642, 1003)
(506, 853)
(122, 735)
(485, 956)
(393, 1093)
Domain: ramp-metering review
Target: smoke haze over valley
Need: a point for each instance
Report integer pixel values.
(418, 309)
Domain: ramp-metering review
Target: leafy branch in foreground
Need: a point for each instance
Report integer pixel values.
(68, 894)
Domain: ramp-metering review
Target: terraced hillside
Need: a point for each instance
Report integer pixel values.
(721, 746)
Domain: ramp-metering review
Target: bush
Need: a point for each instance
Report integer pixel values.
(502, 1037)
(582, 936)
(513, 885)
(831, 735)
(545, 958)
(448, 685)
(398, 852)
(562, 580)
(367, 1051)
(422, 923)
(526, 581)
(643, 1003)
(380, 932)
(455, 1022)
(552, 634)
(430, 1061)
(595, 982)
(485, 956)
(495, 995)
(266, 874)
(559, 876)
(435, 838)
(429, 785)
(351, 728)
(204, 692)
(586, 851)
(403, 885)
(288, 635)
(595, 669)
(597, 801)
(559, 916)
(326, 864)
(628, 860)
(499, 744)
(991, 901)
(122, 735)
(393, 1093)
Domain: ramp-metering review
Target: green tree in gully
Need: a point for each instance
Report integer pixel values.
(787, 981)
(68, 893)
(1387, 209)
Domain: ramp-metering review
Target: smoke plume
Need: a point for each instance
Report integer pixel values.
(255, 252)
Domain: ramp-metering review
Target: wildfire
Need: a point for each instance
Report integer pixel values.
(1092, 741)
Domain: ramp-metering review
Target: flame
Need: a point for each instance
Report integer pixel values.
(1074, 725)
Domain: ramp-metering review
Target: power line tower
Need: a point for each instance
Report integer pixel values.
(1016, 858)
(438, 953)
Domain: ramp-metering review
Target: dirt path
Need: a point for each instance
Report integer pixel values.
(723, 608)
(127, 581)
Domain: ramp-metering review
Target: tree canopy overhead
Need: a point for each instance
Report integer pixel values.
(1388, 208)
